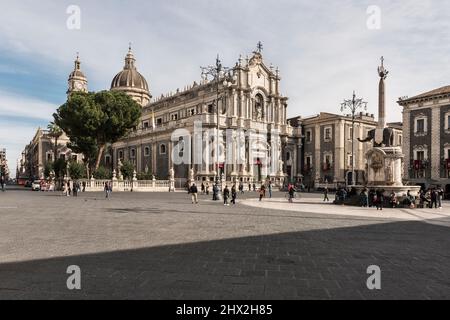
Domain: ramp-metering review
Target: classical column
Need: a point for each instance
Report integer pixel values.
(339, 161)
(406, 142)
(154, 153)
(317, 155)
(435, 143)
(207, 154)
(139, 159)
(361, 156)
(381, 96)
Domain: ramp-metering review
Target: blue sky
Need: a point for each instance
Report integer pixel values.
(323, 48)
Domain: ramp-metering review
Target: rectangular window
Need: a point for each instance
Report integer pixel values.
(448, 153)
(400, 140)
(350, 160)
(328, 159)
(174, 116)
(146, 125)
(327, 134)
(420, 125)
(350, 133)
(421, 155)
(448, 122)
(159, 121)
(308, 136)
(210, 108)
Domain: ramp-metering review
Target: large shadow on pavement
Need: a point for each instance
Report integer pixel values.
(414, 258)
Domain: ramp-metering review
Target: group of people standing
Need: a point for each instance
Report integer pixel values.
(431, 198)
(378, 198)
(229, 194)
(72, 188)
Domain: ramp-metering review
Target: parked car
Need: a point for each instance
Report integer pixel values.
(36, 185)
(28, 184)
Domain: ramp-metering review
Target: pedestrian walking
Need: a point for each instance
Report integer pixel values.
(440, 197)
(75, 189)
(194, 193)
(434, 199)
(262, 192)
(203, 188)
(233, 194)
(364, 198)
(2, 183)
(325, 195)
(249, 187)
(379, 201)
(215, 192)
(207, 189)
(226, 195)
(270, 189)
(241, 188)
(84, 186)
(107, 191)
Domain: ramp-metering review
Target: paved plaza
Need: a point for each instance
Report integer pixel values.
(160, 246)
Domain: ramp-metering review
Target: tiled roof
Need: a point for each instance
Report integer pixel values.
(435, 92)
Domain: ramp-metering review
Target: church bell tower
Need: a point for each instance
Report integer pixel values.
(77, 80)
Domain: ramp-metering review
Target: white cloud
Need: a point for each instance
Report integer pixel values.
(21, 106)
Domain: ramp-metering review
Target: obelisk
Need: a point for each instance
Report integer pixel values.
(382, 72)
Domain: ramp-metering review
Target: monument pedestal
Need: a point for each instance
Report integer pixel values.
(384, 171)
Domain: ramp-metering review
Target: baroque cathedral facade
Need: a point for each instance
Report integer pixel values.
(249, 104)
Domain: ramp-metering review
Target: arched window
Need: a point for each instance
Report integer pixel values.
(133, 153)
(162, 149)
(147, 151)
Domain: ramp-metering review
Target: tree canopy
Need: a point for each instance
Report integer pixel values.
(92, 120)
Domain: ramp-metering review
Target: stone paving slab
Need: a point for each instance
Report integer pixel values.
(160, 246)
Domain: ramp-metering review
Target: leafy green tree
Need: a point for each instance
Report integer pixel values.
(60, 167)
(54, 132)
(48, 169)
(102, 173)
(76, 170)
(92, 120)
(127, 170)
(145, 176)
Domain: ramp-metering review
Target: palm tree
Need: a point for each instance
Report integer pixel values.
(55, 132)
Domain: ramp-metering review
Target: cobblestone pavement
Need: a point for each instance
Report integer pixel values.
(160, 246)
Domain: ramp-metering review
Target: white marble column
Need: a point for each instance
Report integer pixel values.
(406, 142)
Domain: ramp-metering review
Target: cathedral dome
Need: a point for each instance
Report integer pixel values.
(131, 81)
(129, 78)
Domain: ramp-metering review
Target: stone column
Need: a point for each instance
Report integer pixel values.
(406, 142)
(317, 155)
(339, 161)
(435, 159)
(207, 153)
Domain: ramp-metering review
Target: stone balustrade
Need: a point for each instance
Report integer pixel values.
(94, 185)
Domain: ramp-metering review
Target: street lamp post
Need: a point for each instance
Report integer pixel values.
(218, 73)
(353, 105)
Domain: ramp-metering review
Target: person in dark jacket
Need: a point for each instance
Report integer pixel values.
(380, 199)
(194, 193)
(434, 199)
(233, 194)
(226, 196)
(215, 191)
(325, 195)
